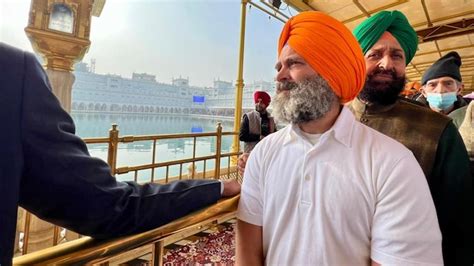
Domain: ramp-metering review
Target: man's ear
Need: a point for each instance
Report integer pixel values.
(422, 90)
(460, 88)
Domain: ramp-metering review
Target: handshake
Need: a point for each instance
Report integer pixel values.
(232, 187)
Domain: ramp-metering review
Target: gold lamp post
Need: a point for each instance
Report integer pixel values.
(59, 30)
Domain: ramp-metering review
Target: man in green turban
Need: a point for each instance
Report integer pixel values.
(389, 43)
(369, 32)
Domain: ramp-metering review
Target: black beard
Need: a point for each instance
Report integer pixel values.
(384, 93)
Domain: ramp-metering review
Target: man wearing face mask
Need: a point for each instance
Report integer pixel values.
(442, 85)
(257, 124)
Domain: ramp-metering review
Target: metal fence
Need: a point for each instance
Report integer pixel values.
(34, 234)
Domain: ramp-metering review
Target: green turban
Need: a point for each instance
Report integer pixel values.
(371, 29)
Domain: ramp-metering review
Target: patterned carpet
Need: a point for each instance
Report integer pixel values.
(211, 247)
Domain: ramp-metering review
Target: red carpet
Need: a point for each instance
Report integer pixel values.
(212, 247)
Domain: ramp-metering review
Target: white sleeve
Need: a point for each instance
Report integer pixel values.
(405, 228)
(251, 204)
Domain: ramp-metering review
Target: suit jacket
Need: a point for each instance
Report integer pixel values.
(46, 169)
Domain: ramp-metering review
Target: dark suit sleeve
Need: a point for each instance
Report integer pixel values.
(451, 186)
(63, 184)
(244, 134)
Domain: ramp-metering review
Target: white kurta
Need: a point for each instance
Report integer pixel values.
(355, 195)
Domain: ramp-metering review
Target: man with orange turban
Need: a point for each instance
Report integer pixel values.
(256, 124)
(389, 44)
(324, 189)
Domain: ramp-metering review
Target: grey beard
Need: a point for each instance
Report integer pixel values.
(307, 100)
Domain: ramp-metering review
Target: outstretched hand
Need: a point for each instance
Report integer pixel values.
(242, 162)
(231, 188)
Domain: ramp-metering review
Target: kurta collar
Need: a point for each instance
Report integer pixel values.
(341, 130)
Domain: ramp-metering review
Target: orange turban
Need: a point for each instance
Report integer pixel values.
(329, 48)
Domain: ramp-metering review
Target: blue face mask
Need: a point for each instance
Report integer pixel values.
(441, 100)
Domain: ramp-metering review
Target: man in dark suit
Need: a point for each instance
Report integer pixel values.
(47, 170)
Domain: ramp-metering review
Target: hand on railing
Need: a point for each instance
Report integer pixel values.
(242, 162)
(231, 188)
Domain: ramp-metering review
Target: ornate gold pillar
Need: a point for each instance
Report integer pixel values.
(59, 31)
(61, 83)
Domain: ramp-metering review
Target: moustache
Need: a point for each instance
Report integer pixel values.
(378, 71)
(286, 85)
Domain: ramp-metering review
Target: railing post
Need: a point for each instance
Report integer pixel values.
(239, 85)
(26, 234)
(218, 150)
(113, 147)
(56, 235)
(157, 254)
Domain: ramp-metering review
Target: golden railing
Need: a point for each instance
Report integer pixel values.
(148, 246)
(113, 141)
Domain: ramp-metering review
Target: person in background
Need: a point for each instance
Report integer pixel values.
(327, 190)
(46, 169)
(412, 90)
(442, 85)
(257, 124)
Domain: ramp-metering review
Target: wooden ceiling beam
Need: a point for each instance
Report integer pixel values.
(438, 32)
(446, 50)
(299, 5)
(463, 58)
(384, 7)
